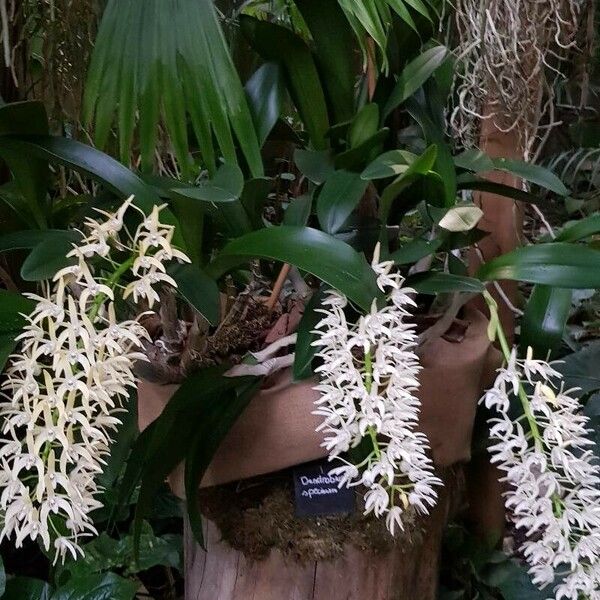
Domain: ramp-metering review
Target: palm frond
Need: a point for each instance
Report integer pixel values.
(168, 60)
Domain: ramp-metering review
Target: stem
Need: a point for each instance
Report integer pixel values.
(506, 351)
(368, 386)
(111, 282)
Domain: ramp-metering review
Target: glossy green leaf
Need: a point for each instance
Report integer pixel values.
(7, 347)
(254, 198)
(215, 418)
(580, 369)
(472, 182)
(533, 173)
(99, 586)
(31, 173)
(266, 94)
(12, 306)
(580, 230)
(338, 198)
(48, 257)
(420, 167)
(304, 351)
(364, 125)
(433, 282)
(389, 164)
(30, 238)
(357, 158)
(556, 264)
(91, 162)
(298, 211)
(425, 116)
(316, 252)
(27, 588)
(333, 53)
(545, 318)
(277, 43)
(415, 250)
(169, 440)
(414, 75)
(198, 289)
(474, 160)
(313, 164)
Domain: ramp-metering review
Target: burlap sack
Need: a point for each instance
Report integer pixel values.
(277, 430)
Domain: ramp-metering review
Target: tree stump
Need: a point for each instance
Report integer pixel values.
(406, 572)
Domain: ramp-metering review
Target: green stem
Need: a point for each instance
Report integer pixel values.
(111, 282)
(506, 351)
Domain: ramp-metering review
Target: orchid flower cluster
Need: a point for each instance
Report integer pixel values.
(551, 476)
(73, 371)
(368, 381)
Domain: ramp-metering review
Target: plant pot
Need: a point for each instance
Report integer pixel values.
(277, 431)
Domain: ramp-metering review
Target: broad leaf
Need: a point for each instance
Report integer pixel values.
(27, 588)
(532, 173)
(298, 211)
(277, 43)
(414, 75)
(315, 165)
(364, 125)
(389, 164)
(30, 238)
(48, 257)
(580, 369)
(474, 160)
(198, 289)
(472, 182)
(580, 230)
(433, 282)
(461, 218)
(557, 264)
(338, 198)
(316, 252)
(545, 317)
(101, 586)
(415, 250)
(12, 306)
(266, 94)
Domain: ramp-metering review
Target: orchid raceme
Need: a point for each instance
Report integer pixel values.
(551, 475)
(73, 371)
(368, 380)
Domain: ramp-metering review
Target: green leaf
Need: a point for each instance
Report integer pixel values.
(305, 351)
(170, 437)
(101, 586)
(333, 53)
(266, 94)
(355, 159)
(316, 252)
(198, 289)
(12, 306)
(298, 211)
(580, 230)
(474, 160)
(219, 196)
(471, 182)
(91, 162)
(545, 318)
(338, 198)
(420, 167)
(216, 416)
(432, 125)
(364, 125)
(415, 250)
(30, 238)
(433, 282)
(315, 165)
(48, 257)
(580, 369)
(389, 164)
(31, 173)
(532, 173)
(414, 75)
(27, 588)
(557, 264)
(276, 43)
(254, 197)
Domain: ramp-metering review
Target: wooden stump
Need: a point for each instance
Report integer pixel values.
(408, 572)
